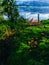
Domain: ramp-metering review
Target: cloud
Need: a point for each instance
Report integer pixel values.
(29, 15)
(35, 0)
(23, 0)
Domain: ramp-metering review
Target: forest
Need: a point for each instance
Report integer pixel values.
(21, 43)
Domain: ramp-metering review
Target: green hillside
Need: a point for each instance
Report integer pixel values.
(22, 44)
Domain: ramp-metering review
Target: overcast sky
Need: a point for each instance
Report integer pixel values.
(34, 0)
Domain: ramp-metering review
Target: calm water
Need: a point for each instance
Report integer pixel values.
(32, 11)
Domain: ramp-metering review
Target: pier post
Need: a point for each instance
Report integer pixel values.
(38, 17)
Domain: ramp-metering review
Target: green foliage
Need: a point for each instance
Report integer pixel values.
(45, 22)
(42, 43)
(15, 35)
(23, 48)
(3, 30)
(10, 9)
(20, 53)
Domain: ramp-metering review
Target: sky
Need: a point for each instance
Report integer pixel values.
(35, 0)
(28, 15)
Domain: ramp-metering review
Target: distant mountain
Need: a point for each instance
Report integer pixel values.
(34, 3)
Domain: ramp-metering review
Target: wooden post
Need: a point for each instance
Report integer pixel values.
(38, 17)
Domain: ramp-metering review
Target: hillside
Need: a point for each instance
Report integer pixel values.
(24, 42)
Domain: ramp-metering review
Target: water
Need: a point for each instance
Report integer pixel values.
(32, 11)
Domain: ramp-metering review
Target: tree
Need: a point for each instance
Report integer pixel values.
(10, 9)
(1, 11)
